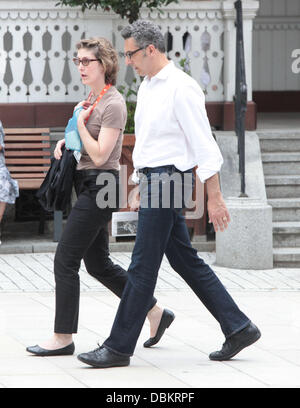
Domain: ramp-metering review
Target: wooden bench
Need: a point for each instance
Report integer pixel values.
(28, 158)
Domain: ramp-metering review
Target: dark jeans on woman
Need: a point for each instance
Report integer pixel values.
(164, 231)
(85, 236)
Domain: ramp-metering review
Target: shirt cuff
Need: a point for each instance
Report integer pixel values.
(205, 174)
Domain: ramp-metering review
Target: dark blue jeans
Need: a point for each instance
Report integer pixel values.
(86, 237)
(164, 231)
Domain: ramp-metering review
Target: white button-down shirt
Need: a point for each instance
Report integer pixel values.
(171, 125)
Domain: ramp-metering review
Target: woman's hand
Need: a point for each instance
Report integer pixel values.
(85, 104)
(83, 115)
(58, 147)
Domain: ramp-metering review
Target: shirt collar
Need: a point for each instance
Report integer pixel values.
(164, 72)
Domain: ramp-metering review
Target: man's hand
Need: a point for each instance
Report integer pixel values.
(216, 207)
(218, 212)
(134, 199)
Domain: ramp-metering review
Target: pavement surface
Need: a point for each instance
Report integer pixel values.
(271, 299)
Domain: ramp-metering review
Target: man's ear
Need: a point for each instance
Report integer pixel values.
(152, 49)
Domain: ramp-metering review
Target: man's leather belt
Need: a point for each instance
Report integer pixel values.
(146, 170)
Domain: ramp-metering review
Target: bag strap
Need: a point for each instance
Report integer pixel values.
(102, 93)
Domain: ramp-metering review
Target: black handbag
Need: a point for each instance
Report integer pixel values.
(55, 192)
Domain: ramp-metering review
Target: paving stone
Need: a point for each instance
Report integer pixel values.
(34, 272)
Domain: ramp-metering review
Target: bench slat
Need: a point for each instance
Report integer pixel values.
(29, 138)
(28, 161)
(41, 146)
(30, 184)
(27, 168)
(27, 175)
(27, 153)
(24, 131)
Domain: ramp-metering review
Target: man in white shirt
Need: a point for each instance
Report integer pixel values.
(173, 136)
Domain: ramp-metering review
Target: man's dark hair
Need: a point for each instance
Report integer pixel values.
(145, 33)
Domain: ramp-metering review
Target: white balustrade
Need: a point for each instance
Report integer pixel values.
(37, 44)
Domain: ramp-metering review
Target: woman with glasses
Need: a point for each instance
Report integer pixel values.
(100, 123)
(9, 189)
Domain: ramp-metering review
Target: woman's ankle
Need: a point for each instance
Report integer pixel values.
(57, 341)
(154, 312)
(63, 338)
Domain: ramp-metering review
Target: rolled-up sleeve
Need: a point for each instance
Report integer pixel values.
(191, 114)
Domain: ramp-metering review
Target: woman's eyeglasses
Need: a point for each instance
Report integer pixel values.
(85, 61)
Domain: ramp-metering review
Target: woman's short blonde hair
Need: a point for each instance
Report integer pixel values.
(104, 51)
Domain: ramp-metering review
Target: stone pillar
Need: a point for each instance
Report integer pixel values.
(247, 243)
(250, 8)
(229, 50)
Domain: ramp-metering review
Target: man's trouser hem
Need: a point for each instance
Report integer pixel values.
(116, 352)
(239, 329)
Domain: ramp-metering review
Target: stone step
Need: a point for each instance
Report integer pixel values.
(287, 163)
(285, 209)
(28, 243)
(286, 226)
(281, 164)
(26, 229)
(271, 133)
(282, 186)
(286, 234)
(286, 257)
(208, 246)
(286, 141)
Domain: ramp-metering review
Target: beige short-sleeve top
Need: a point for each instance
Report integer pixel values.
(110, 112)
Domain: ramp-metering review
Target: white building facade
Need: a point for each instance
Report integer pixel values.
(276, 56)
(37, 44)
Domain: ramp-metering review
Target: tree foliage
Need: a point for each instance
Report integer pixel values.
(128, 9)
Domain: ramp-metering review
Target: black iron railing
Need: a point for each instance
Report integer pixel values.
(240, 93)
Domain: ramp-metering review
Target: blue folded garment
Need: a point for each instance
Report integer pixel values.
(72, 137)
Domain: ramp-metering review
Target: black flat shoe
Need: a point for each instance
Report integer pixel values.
(39, 351)
(165, 322)
(101, 357)
(236, 343)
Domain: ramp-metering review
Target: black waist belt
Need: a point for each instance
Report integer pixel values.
(95, 172)
(146, 170)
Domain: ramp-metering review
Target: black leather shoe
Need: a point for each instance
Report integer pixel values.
(39, 351)
(165, 321)
(101, 357)
(237, 342)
